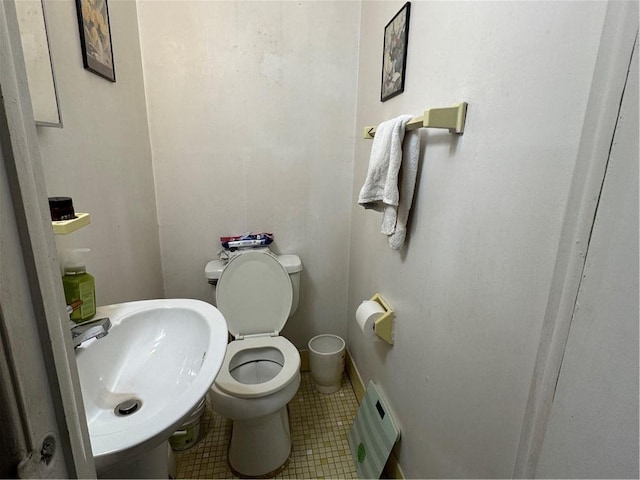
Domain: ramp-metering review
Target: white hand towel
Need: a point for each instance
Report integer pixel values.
(380, 187)
(408, 174)
(388, 187)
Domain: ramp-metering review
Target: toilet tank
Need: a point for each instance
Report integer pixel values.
(291, 263)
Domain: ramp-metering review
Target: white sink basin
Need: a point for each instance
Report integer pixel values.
(163, 353)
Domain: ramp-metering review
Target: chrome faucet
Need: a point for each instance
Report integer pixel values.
(81, 332)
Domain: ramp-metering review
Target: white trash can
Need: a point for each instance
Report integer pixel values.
(326, 359)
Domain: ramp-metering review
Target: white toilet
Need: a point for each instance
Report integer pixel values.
(256, 292)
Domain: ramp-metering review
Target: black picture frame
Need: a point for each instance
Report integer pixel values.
(95, 37)
(394, 54)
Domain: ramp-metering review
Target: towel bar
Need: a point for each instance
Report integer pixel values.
(451, 118)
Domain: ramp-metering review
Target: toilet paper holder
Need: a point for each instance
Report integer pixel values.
(384, 325)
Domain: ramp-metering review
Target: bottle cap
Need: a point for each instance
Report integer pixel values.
(76, 262)
(61, 208)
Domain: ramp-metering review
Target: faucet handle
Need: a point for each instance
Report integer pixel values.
(84, 331)
(104, 321)
(96, 331)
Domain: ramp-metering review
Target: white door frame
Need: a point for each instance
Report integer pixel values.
(619, 34)
(44, 432)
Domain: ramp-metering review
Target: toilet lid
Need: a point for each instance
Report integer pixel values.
(254, 294)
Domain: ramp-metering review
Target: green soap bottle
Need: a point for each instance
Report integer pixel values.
(79, 285)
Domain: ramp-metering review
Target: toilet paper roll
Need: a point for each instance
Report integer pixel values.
(366, 315)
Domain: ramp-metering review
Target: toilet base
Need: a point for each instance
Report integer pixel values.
(260, 447)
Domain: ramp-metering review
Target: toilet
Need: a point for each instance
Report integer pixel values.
(257, 291)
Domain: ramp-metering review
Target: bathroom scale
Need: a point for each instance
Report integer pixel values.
(372, 435)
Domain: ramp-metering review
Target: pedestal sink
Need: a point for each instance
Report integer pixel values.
(141, 381)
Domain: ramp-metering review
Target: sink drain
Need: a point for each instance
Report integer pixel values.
(127, 407)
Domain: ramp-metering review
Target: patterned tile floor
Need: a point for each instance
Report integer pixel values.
(319, 427)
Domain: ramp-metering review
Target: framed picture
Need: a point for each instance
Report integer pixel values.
(394, 55)
(95, 37)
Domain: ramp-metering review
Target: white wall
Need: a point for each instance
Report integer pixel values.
(251, 114)
(470, 287)
(102, 157)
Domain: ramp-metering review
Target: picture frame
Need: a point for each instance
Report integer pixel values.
(95, 37)
(394, 54)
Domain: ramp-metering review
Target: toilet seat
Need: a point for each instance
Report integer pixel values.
(291, 365)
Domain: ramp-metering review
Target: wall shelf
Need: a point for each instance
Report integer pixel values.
(63, 227)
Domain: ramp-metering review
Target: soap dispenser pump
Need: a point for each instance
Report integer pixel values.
(79, 285)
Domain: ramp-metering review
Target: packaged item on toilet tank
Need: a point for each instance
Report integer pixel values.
(248, 240)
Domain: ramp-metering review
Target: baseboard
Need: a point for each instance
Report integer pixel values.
(304, 360)
(392, 468)
(354, 377)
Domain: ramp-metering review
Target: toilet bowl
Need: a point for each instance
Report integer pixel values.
(260, 373)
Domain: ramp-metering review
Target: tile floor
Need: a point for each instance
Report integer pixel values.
(319, 427)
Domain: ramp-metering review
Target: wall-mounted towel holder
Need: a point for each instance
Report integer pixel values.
(451, 118)
(384, 325)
